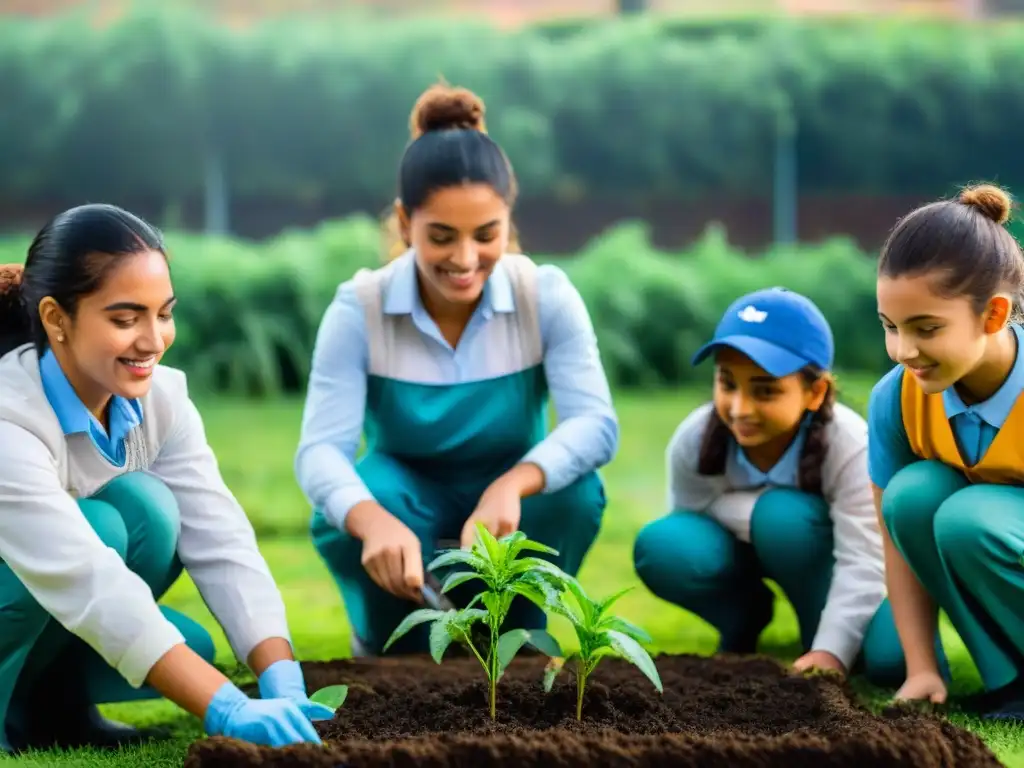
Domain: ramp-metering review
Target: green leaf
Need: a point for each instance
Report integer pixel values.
(536, 546)
(604, 605)
(551, 672)
(509, 645)
(441, 636)
(414, 619)
(626, 627)
(458, 577)
(458, 556)
(544, 642)
(494, 549)
(632, 651)
(332, 696)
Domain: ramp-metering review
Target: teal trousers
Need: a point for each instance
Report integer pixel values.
(965, 543)
(136, 516)
(567, 520)
(691, 560)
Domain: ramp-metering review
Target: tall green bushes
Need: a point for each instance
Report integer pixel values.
(249, 312)
(150, 107)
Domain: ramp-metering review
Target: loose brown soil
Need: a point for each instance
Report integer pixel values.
(725, 712)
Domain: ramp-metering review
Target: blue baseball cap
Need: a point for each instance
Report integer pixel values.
(779, 330)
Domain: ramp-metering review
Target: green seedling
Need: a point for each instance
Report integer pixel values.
(332, 696)
(497, 563)
(600, 634)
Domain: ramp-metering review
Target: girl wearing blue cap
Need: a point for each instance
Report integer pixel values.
(446, 357)
(947, 442)
(108, 491)
(769, 480)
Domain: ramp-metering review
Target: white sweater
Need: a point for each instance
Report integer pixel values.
(51, 548)
(858, 580)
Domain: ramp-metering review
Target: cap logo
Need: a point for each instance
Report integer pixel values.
(752, 314)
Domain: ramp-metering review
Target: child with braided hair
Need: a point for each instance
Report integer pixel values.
(770, 481)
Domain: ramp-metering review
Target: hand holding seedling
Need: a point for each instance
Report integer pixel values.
(819, 660)
(499, 511)
(497, 563)
(283, 680)
(391, 551)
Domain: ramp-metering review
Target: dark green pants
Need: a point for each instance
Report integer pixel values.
(691, 560)
(136, 516)
(567, 520)
(965, 543)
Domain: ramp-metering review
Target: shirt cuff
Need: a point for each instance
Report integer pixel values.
(257, 629)
(555, 462)
(839, 642)
(147, 650)
(342, 500)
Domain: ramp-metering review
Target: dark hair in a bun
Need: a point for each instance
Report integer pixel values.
(441, 107)
(448, 147)
(963, 242)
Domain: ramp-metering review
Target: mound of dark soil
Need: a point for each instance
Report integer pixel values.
(722, 712)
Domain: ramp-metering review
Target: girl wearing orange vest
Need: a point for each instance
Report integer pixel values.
(946, 442)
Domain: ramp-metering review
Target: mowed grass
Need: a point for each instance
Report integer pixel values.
(255, 444)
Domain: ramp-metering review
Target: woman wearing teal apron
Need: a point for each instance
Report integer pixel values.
(108, 490)
(445, 358)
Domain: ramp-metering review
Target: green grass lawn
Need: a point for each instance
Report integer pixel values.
(255, 445)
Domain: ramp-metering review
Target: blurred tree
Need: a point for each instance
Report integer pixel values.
(631, 6)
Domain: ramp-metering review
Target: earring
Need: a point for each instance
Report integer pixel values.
(60, 337)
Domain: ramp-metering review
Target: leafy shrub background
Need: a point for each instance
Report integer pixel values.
(249, 312)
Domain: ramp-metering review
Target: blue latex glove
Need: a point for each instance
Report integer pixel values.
(269, 722)
(283, 680)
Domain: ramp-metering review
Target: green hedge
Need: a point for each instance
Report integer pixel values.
(315, 111)
(248, 313)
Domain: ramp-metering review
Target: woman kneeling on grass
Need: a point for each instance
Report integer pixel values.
(107, 490)
(770, 481)
(947, 442)
(447, 354)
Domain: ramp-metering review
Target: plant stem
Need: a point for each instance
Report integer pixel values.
(581, 682)
(494, 669)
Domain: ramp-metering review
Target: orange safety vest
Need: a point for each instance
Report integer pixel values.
(931, 437)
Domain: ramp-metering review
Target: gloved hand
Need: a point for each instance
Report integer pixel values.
(268, 722)
(283, 680)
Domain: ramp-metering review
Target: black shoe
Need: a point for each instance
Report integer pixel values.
(995, 700)
(1011, 711)
(83, 727)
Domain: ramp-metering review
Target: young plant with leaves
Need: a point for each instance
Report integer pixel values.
(505, 575)
(600, 634)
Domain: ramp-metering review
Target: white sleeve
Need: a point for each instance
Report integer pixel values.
(858, 579)
(217, 544)
(52, 549)
(687, 488)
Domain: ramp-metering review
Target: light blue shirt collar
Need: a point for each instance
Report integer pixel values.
(402, 296)
(996, 409)
(785, 472)
(75, 418)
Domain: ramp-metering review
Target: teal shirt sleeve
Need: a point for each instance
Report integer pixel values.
(888, 446)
